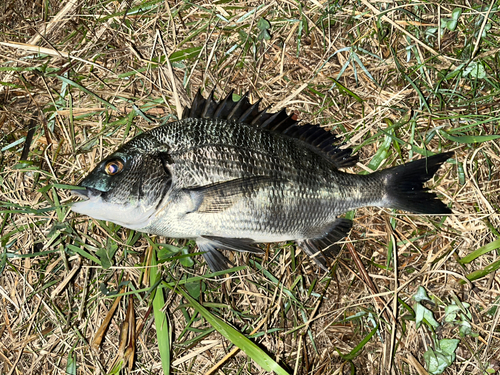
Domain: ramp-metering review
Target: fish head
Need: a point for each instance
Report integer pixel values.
(125, 188)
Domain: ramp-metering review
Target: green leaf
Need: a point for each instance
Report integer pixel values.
(469, 139)
(71, 363)
(84, 254)
(237, 338)
(451, 312)
(466, 329)
(424, 315)
(435, 361)
(360, 346)
(103, 256)
(165, 251)
(187, 260)
(250, 13)
(344, 89)
(185, 54)
(264, 34)
(168, 252)
(448, 347)
(445, 24)
(13, 144)
(483, 272)
(80, 87)
(475, 69)
(381, 154)
(68, 187)
(457, 12)
(163, 331)
(421, 295)
(452, 24)
(482, 250)
(438, 360)
(195, 289)
(263, 24)
(23, 164)
(106, 254)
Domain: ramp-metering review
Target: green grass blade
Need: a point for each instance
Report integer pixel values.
(493, 267)
(237, 338)
(360, 346)
(185, 54)
(482, 250)
(344, 89)
(80, 87)
(381, 154)
(469, 139)
(84, 254)
(163, 332)
(358, 60)
(71, 364)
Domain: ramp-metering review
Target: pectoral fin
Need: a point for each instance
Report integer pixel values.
(223, 195)
(319, 249)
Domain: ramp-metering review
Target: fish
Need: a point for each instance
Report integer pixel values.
(230, 176)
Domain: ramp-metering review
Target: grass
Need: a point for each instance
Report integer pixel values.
(398, 81)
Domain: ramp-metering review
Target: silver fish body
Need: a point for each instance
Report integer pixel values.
(230, 176)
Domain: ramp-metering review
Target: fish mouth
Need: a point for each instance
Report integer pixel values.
(86, 192)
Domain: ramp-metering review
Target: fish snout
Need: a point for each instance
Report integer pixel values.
(85, 192)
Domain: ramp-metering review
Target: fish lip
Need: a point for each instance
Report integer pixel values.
(86, 192)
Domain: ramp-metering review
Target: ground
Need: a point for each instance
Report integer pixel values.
(397, 80)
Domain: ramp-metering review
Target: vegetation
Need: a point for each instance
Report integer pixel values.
(408, 294)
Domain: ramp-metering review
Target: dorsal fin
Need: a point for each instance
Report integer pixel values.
(280, 122)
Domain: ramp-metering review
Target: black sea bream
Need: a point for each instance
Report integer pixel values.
(229, 176)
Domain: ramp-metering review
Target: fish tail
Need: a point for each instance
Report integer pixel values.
(405, 190)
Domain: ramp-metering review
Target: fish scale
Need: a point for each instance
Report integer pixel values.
(231, 176)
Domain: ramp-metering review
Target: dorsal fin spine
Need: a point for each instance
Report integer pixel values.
(220, 107)
(249, 111)
(328, 141)
(260, 117)
(209, 102)
(266, 123)
(243, 111)
(240, 103)
(315, 136)
(284, 124)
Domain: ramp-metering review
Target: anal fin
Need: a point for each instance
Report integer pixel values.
(319, 249)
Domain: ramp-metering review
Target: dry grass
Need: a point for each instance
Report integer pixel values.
(73, 72)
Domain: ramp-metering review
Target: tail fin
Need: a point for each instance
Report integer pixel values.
(404, 186)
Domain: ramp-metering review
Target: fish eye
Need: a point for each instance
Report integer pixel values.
(113, 167)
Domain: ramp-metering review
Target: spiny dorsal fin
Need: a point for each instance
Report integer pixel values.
(280, 122)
